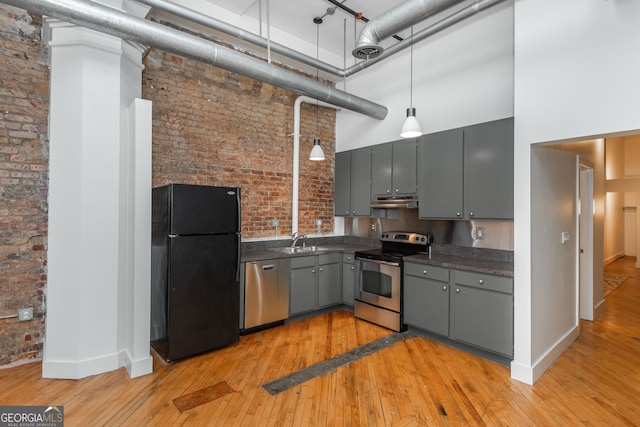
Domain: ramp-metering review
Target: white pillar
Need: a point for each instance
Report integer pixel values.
(94, 79)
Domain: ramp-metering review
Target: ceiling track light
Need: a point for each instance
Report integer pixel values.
(411, 127)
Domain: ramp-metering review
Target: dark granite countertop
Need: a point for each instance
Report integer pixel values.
(489, 261)
(477, 265)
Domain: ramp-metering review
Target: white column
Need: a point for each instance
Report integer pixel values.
(94, 78)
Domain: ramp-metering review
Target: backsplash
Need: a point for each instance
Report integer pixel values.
(497, 234)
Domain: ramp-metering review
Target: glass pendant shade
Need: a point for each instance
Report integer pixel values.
(316, 151)
(411, 127)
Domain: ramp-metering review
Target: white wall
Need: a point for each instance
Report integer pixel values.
(575, 77)
(461, 76)
(614, 227)
(554, 299)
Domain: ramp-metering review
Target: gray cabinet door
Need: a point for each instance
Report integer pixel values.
(361, 182)
(329, 284)
(440, 174)
(342, 182)
(348, 282)
(302, 294)
(426, 304)
(489, 170)
(381, 169)
(404, 169)
(483, 318)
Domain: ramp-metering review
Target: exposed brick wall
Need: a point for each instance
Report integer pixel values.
(215, 127)
(24, 159)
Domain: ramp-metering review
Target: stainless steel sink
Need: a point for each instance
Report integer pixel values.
(298, 249)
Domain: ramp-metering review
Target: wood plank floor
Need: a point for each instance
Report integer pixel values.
(412, 383)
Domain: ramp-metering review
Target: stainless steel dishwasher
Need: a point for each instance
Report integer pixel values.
(266, 292)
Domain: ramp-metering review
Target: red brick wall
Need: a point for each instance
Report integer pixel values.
(215, 127)
(24, 159)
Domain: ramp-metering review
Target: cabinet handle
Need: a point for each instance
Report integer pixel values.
(481, 281)
(354, 212)
(424, 272)
(458, 214)
(470, 213)
(348, 258)
(397, 191)
(352, 268)
(313, 271)
(321, 270)
(457, 291)
(444, 288)
(347, 212)
(388, 191)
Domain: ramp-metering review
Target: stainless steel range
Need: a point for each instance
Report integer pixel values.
(378, 293)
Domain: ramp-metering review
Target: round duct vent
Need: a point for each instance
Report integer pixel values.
(366, 52)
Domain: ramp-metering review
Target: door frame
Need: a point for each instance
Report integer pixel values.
(585, 251)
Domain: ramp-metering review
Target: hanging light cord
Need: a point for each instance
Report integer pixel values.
(317, 78)
(411, 72)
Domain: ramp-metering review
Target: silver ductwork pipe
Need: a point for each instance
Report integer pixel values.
(120, 24)
(394, 20)
(239, 33)
(432, 29)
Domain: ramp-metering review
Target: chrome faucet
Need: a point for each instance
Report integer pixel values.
(295, 237)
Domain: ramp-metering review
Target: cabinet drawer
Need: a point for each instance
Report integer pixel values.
(484, 281)
(303, 261)
(348, 258)
(329, 258)
(428, 271)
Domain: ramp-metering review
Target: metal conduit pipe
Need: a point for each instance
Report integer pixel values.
(443, 24)
(120, 24)
(239, 33)
(399, 18)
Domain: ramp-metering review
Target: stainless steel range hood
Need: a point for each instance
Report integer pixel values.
(395, 202)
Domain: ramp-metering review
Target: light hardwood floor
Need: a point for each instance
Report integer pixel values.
(412, 383)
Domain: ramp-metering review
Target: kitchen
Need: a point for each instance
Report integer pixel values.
(272, 182)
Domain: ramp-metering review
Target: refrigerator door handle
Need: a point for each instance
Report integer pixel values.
(238, 259)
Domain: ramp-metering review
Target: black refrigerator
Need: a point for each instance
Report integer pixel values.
(195, 277)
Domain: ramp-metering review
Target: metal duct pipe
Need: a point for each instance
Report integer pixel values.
(399, 18)
(239, 33)
(120, 24)
(443, 24)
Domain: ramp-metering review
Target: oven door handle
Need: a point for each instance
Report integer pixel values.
(377, 261)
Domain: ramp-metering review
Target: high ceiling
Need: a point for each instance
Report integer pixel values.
(297, 18)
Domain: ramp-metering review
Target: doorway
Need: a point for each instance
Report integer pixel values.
(585, 245)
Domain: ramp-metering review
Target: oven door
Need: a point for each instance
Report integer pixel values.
(378, 283)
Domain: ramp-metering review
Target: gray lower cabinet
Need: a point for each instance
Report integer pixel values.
(353, 183)
(315, 282)
(348, 278)
(303, 286)
(426, 298)
(482, 311)
(472, 308)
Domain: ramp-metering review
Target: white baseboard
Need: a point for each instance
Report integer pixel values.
(136, 368)
(531, 374)
(612, 258)
(75, 370)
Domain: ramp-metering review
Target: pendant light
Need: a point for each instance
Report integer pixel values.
(411, 126)
(316, 152)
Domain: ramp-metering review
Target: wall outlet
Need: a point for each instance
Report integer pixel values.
(480, 233)
(373, 226)
(275, 223)
(565, 237)
(25, 314)
(318, 222)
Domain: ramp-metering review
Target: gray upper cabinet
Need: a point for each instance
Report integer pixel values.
(353, 183)
(467, 173)
(489, 170)
(440, 159)
(394, 168)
